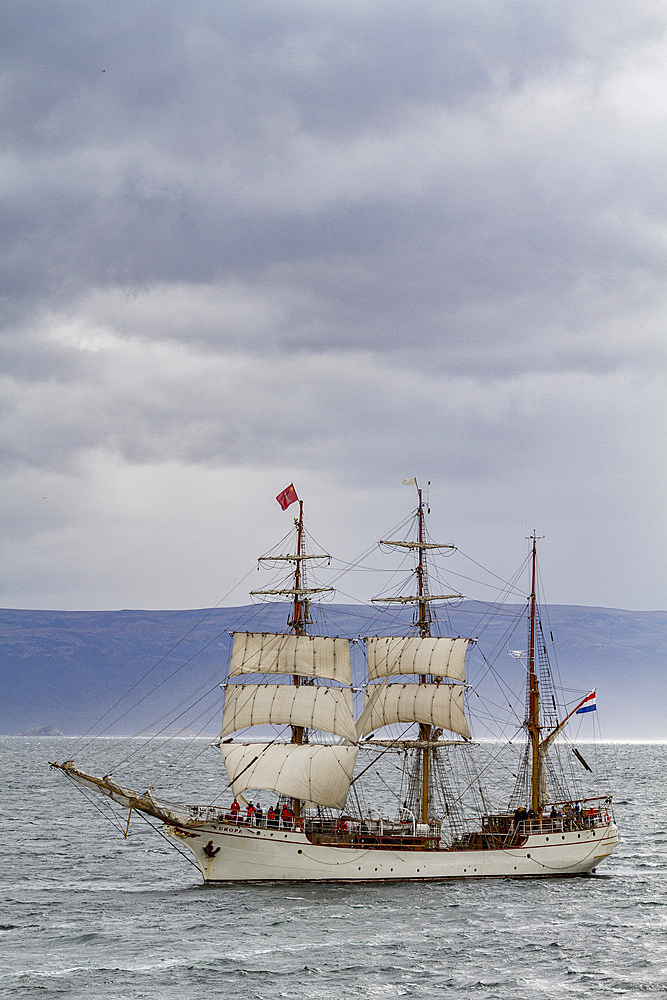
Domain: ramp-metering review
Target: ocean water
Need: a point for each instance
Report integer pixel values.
(85, 913)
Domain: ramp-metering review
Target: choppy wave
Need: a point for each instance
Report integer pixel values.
(87, 914)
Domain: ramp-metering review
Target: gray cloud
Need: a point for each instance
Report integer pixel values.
(293, 238)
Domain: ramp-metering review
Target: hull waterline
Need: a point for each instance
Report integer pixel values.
(241, 854)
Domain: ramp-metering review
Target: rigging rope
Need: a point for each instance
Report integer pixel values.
(79, 748)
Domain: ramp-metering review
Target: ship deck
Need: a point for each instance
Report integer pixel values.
(494, 831)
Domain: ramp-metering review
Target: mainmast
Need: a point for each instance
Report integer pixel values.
(533, 721)
(300, 595)
(422, 621)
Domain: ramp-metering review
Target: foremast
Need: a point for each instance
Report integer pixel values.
(423, 618)
(300, 618)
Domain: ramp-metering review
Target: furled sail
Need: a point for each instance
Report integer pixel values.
(124, 796)
(438, 656)
(431, 704)
(304, 655)
(309, 772)
(326, 708)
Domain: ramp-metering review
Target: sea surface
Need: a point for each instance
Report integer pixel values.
(88, 914)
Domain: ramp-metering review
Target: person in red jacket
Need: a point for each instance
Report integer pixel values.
(287, 816)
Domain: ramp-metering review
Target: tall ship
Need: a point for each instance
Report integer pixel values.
(363, 742)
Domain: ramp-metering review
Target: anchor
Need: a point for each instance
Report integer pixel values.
(210, 851)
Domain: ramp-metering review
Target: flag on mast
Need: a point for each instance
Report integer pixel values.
(287, 496)
(588, 704)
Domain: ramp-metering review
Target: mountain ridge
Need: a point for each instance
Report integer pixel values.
(66, 668)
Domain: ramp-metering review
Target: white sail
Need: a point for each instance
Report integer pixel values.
(310, 772)
(324, 708)
(441, 657)
(304, 655)
(433, 704)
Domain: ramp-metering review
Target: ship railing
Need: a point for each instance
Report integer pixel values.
(203, 813)
(213, 814)
(544, 825)
(559, 825)
(583, 814)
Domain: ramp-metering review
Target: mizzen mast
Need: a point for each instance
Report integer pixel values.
(533, 720)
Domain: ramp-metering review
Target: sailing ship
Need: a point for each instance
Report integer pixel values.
(289, 729)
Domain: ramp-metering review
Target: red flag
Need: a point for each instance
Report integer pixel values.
(287, 496)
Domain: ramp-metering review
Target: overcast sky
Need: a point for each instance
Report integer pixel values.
(339, 243)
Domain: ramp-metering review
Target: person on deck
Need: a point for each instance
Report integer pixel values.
(235, 810)
(249, 813)
(287, 816)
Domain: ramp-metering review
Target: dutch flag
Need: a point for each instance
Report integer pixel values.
(588, 704)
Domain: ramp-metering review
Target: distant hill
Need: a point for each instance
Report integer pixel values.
(66, 669)
(42, 731)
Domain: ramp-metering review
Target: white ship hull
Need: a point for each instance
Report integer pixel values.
(246, 854)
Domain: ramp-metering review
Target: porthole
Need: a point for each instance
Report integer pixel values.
(528, 855)
(299, 851)
(547, 839)
(563, 837)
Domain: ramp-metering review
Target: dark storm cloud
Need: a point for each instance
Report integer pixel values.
(154, 142)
